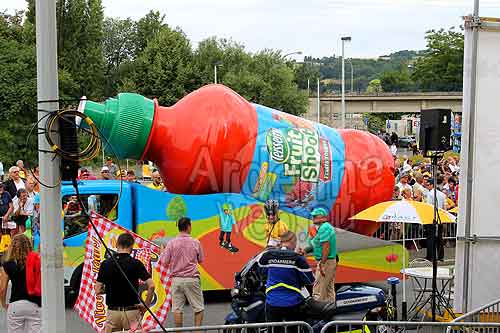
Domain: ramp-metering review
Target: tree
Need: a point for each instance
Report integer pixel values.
(80, 44)
(306, 72)
(374, 87)
(164, 69)
(147, 28)
(440, 68)
(263, 78)
(396, 81)
(119, 46)
(17, 90)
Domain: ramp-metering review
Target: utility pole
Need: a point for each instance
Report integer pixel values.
(51, 249)
(319, 121)
(344, 39)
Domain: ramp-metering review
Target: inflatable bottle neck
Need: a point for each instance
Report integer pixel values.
(125, 121)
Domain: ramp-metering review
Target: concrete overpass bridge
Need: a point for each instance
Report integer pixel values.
(357, 104)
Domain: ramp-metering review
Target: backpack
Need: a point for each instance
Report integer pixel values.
(33, 274)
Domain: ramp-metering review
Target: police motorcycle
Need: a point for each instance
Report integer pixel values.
(354, 302)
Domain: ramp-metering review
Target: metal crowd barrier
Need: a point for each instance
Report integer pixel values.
(405, 326)
(486, 313)
(413, 232)
(277, 327)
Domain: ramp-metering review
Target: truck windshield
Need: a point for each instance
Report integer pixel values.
(75, 221)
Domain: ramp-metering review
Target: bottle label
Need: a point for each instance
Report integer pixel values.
(297, 162)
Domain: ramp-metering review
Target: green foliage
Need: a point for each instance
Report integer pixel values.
(263, 78)
(377, 121)
(17, 90)
(374, 87)
(364, 70)
(176, 208)
(440, 68)
(397, 81)
(80, 44)
(164, 69)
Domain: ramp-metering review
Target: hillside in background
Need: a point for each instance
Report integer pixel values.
(365, 70)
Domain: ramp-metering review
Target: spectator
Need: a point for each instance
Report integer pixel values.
(105, 174)
(403, 182)
(406, 193)
(131, 177)
(419, 184)
(35, 222)
(418, 195)
(36, 175)
(287, 273)
(112, 168)
(15, 182)
(23, 310)
(394, 138)
(324, 248)
(394, 149)
(6, 206)
(30, 187)
(1, 171)
(124, 309)
(22, 171)
(183, 254)
(157, 183)
(72, 208)
(396, 194)
(23, 209)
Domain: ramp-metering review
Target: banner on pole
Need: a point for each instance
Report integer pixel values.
(91, 307)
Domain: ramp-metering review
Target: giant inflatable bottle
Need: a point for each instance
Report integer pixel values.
(214, 141)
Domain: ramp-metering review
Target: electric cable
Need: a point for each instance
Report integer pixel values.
(90, 152)
(113, 258)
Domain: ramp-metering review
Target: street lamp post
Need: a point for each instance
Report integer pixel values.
(344, 39)
(218, 63)
(352, 76)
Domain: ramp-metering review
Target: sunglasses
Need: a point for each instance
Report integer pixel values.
(104, 171)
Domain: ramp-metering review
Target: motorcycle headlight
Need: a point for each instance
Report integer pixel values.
(377, 309)
(235, 292)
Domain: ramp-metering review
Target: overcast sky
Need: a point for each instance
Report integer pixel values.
(377, 27)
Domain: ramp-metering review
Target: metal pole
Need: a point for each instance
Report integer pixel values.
(319, 121)
(470, 158)
(352, 76)
(51, 249)
(343, 88)
(215, 73)
(435, 238)
(308, 91)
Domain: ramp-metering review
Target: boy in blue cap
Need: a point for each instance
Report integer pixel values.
(323, 245)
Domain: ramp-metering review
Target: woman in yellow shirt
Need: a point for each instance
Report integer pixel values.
(274, 227)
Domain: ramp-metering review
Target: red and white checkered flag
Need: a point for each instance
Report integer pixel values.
(92, 307)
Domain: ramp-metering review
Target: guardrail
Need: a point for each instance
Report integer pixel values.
(276, 327)
(413, 232)
(486, 313)
(405, 326)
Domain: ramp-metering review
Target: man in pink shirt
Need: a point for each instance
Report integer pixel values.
(183, 254)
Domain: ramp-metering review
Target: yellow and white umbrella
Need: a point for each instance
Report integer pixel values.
(404, 211)
(407, 212)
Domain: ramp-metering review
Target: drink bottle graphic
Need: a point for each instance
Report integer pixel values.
(214, 141)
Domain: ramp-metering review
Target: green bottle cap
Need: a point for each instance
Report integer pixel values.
(125, 121)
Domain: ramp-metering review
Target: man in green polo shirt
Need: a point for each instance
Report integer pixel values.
(324, 248)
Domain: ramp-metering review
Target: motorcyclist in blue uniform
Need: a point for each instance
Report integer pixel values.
(287, 273)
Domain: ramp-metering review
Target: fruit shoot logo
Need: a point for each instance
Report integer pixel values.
(303, 153)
